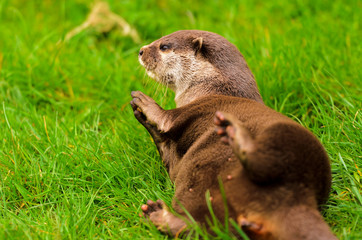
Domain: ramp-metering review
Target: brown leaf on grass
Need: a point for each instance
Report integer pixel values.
(102, 20)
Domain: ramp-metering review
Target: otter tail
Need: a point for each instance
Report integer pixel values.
(297, 222)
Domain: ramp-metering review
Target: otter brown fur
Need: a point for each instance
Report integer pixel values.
(275, 173)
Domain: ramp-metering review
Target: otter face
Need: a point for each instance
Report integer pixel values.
(170, 60)
(195, 63)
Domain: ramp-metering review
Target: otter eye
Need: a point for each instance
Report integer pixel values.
(164, 47)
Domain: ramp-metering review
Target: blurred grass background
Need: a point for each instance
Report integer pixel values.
(75, 163)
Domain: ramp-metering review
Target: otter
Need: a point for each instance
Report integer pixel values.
(256, 166)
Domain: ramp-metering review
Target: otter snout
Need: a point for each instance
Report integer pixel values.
(140, 54)
(142, 50)
(147, 56)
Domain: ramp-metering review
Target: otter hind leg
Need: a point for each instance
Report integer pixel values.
(163, 219)
(232, 132)
(264, 158)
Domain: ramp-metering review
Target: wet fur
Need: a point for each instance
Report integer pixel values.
(275, 172)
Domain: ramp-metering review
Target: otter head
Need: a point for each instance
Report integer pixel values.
(174, 60)
(196, 63)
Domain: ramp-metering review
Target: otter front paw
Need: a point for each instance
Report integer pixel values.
(146, 110)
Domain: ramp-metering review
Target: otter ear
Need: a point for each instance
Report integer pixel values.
(197, 44)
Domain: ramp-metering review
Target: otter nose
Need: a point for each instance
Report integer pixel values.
(140, 53)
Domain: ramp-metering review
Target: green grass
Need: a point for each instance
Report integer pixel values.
(75, 163)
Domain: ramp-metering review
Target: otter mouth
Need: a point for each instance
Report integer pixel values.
(149, 69)
(143, 64)
(147, 66)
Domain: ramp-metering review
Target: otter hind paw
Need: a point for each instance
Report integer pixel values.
(232, 132)
(224, 128)
(165, 221)
(152, 207)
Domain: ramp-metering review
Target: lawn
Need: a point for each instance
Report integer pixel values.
(76, 164)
